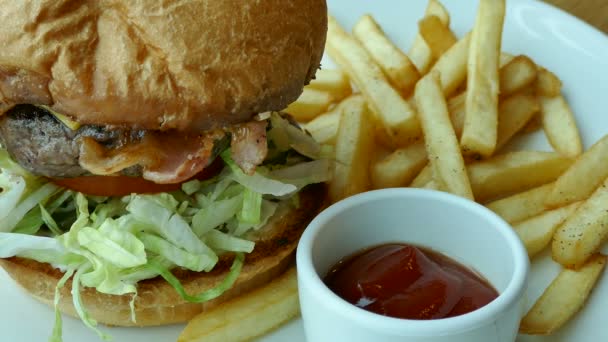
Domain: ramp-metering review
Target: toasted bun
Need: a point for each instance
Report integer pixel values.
(157, 302)
(193, 64)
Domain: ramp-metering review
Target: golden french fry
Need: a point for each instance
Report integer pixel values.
(400, 167)
(452, 66)
(564, 297)
(536, 232)
(505, 58)
(324, 128)
(432, 185)
(420, 53)
(354, 149)
(523, 205)
(548, 84)
(333, 81)
(424, 177)
(249, 316)
(437, 35)
(397, 116)
(584, 231)
(519, 73)
(311, 103)
(457, 113)
(533, 125)
(396, 65)
(481, 105)
(514, 77)
(560, 126)
(513, 114)
(442, 146)
(510, 173)
(583, 177)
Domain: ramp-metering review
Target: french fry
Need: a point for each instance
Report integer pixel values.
(564, 297)
(519, 73)
(513, 114)
(535, 124)
(456, 109)
(311, 103)
(437, 35)
(420, 53)
(560, 126)
(514, 172)
(324, 128)
(583, 177)
(481, 105)
(400, 167)
(248, 316)
(432, 185)
(548, 84)
(397, 116)
(442, 146)
(514, 77)
(354, 147)
(584, 231)
(505, 58)
(536, 232)
(401, 72)
(333, 81)
(424, 177)
(452, 66)
(523, 205)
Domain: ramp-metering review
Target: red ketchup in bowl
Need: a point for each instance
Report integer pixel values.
(409, 282)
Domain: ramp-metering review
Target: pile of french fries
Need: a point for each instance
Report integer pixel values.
(441, 116)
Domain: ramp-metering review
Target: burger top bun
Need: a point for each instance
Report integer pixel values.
(171, 64)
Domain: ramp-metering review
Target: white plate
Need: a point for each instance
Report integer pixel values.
(577, 53)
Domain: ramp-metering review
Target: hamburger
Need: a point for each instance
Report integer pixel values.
(147, 172)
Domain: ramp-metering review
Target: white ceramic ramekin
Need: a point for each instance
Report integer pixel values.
(456, 227)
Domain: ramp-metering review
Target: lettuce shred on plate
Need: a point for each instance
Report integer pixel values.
(111, 243)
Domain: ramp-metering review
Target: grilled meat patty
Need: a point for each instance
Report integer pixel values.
(44, 146)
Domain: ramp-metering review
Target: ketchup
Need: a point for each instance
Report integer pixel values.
(403, 281)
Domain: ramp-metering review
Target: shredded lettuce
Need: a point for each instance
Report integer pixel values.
(49, 221)
(57, 333)
(80, 310)
(210, 294)
(16, 244)
(285, 135)
(302, 174)
(180, 257)
(13, 187)
(105, 277)
(169, 225)
(252, 207)
(118, 247)
(215, 214)
(257, 182)
(227, 242)
(19, 211)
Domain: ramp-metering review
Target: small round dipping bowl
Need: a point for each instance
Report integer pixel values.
(456, 227)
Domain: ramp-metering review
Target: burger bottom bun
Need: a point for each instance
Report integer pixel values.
(157, 303)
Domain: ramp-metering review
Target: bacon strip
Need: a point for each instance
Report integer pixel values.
(248, 145)
(168, 158)
(164, 158)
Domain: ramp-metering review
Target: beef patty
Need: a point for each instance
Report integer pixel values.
(44, 146)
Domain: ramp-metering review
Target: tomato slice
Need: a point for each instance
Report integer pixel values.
(123, 185)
